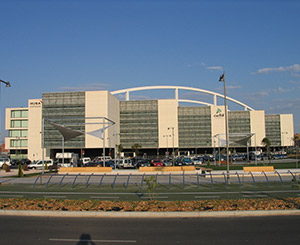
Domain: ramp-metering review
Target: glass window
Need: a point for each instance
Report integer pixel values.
(18, 133)
(18, 143)
(19, 123)
(19, 114)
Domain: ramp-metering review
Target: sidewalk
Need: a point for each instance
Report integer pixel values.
(14, 172)
(112, 214)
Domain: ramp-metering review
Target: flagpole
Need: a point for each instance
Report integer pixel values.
(222, 79)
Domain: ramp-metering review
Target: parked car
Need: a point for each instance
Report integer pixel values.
(85, 160)
(198, 160)
(167, 162)
(143, 163)
(39, 164)
(25, 161)
(187, 161)
(6, 161)
(15, 162)
(157, 163)
(125, 163)
(94, 164)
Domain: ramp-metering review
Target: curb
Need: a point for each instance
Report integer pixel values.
(112, 214)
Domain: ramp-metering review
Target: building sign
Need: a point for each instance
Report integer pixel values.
(37, 103)
(219, 113)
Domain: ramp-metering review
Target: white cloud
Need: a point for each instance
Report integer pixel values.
(295, 75)
(218, 68)
(256, 95)
(196, 65)
(232, 87)
(281, 90)
(87, 87)
(292, 68)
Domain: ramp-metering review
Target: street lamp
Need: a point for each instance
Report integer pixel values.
(167, 140)
(283, 133)
(172, 128)
(7, 83)
(222, 79)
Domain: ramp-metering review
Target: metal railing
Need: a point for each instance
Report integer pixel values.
(207, 179)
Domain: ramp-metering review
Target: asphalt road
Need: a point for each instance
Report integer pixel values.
(84, 231)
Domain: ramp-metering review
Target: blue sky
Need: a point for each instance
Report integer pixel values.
(77, 45)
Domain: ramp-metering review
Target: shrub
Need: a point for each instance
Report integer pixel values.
(20, 171)
(151, 185)
(5, 167)
(25, 167)
(208, 163)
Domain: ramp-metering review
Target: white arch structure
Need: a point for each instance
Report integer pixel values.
(177, 88)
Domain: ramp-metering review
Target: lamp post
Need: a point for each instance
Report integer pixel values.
(7, 83)
(167, 140)
(172, 128)
(222, 79)
(283, 133)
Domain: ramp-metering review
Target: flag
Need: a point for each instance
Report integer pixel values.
(222, 78)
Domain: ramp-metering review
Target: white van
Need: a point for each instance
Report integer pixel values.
(100, 159)
(68, 159)
(125, 163)
(39, 164)
(85, 160)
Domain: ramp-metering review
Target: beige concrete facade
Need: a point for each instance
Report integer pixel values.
(218, 125)
(8, 126)
(257, 125)
(167, 118)
(101, 104)
(35, 130)
(287, 129)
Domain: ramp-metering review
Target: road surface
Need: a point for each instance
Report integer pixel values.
(249, 230)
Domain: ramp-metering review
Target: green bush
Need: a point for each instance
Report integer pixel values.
(5, 167)
(151, 185)
(208, 163)
(20, 171)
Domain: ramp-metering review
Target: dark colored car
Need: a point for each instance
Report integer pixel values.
(109, 163)
(25, 161)
(94, 164)
(167, 162)
(143, 163)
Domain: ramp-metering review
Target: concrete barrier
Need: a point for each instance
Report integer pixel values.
(259, 169)
(85, 169)
(167, 169)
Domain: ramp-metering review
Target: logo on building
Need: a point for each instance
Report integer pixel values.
(36, 103)
(219, 113)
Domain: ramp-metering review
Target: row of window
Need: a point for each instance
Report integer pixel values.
(19, 123)
(19, 114)
(18, 133)
(18, 143)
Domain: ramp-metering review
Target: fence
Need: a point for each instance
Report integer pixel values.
(170, 180)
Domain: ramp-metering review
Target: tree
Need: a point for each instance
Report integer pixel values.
(120, 148)
(136, 148)
(267, 143)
